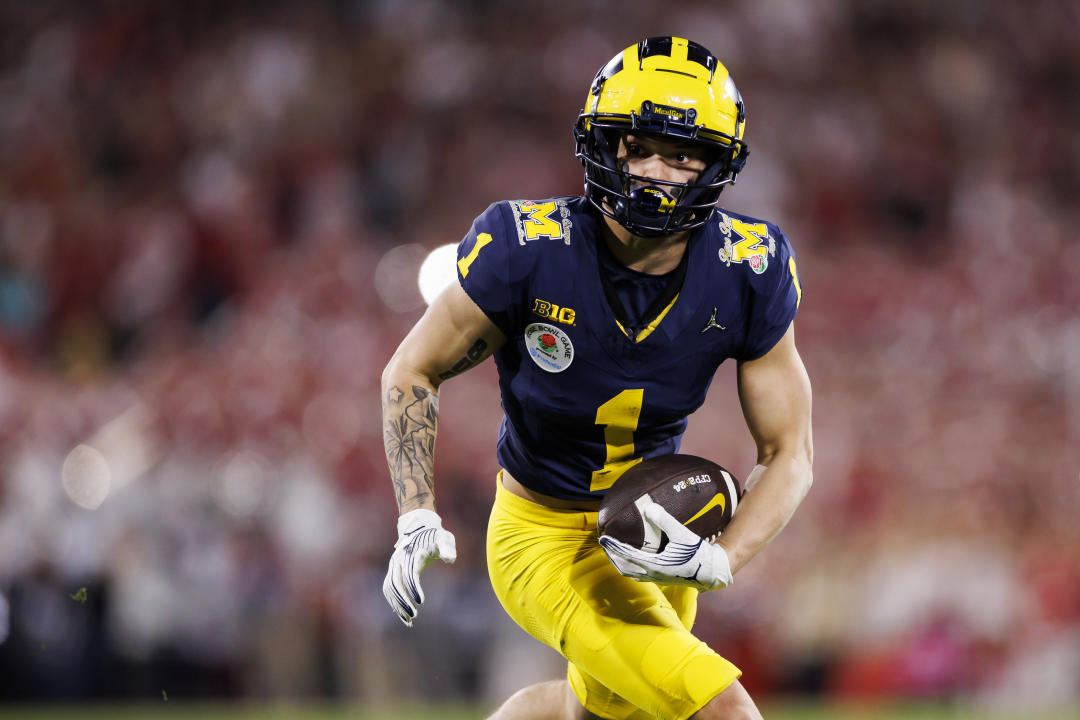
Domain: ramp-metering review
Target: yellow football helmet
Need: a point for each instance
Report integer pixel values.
(675, 89)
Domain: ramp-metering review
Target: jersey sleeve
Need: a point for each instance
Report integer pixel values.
(486, 270)
(776, 294)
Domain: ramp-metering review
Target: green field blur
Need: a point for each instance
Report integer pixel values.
(783, 711)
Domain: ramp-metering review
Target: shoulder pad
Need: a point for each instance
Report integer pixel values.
(756, 243)
(549, 219)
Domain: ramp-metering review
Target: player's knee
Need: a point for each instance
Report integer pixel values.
(552, 700)
(733, 703)
(742, 713)
(739, 712)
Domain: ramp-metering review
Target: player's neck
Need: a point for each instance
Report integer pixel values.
(653, 255)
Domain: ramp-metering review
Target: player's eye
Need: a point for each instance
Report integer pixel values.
(634, 149)
(682, 158)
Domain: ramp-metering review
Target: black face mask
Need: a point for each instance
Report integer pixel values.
(645, 206)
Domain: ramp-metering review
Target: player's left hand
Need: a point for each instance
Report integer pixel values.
(688, 559)
(421, 540)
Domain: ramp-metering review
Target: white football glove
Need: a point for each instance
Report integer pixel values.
(688, 559)
(421, 539)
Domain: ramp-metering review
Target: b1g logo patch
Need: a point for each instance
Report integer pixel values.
(549, 347)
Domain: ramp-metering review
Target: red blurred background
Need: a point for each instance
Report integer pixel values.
(211, 220)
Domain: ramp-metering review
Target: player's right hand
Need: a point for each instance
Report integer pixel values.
(421, 540)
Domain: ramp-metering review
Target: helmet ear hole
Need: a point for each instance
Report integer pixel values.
(608, 141)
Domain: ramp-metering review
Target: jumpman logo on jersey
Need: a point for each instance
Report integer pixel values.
(712, 322)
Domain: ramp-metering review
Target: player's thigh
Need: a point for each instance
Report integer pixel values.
(683, 600)
(629, 641)
(631, 649)
(529, 549)
(550, 573)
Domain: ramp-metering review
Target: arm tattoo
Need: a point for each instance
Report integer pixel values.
(410, 421)
(472, 356)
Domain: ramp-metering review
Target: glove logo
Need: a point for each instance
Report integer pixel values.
(549, 347)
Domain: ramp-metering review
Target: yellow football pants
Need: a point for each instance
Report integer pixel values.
(630, 650)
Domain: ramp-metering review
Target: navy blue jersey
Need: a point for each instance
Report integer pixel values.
(583, 399)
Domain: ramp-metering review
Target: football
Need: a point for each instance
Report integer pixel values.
(697, 492)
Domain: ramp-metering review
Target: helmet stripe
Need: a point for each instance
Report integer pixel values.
(678, 49)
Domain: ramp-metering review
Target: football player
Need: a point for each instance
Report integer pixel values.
(608, 315)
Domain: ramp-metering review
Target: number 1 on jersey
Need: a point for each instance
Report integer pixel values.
(463, 264)
(619, 416)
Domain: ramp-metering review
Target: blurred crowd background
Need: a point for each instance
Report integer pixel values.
(211, 220)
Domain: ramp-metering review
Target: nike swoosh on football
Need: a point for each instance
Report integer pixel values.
(716, 500)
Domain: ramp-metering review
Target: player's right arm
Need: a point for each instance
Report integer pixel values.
(451, 337)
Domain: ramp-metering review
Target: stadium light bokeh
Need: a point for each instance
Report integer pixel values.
(437, 271)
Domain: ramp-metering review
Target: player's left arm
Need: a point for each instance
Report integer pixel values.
(774, 391)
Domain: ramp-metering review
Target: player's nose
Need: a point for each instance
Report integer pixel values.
(654, 168)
